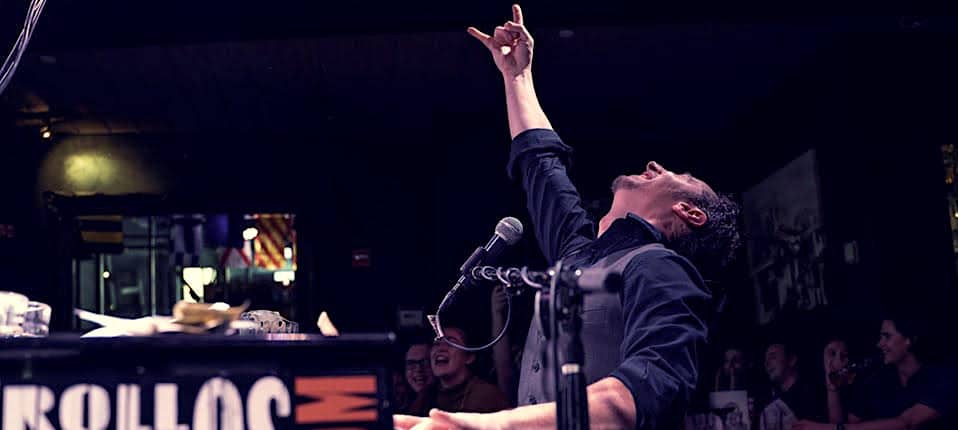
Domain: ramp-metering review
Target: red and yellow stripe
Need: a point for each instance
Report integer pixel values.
(275, 232)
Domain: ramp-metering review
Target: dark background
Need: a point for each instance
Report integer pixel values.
(382, 125)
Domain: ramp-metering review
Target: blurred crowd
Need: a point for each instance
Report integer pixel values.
(777, 382)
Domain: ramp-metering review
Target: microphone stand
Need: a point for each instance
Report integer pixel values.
(565, 323)
(559, 300)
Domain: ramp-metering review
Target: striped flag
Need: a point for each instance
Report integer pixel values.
(276, 233)
(237, 258)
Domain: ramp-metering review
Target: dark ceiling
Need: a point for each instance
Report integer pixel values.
(666, 73)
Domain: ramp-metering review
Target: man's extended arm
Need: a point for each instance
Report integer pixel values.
(511, 46)
(610, 407)
(538, 156)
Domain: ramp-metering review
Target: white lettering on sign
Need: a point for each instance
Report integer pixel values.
(128, 408)
(218, 406)
(164, 408)
(92, 399)
(218, 395)
(26, 407)
(265, 391)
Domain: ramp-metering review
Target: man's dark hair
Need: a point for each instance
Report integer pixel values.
(712, 246)
(787, 347)
(913, 328)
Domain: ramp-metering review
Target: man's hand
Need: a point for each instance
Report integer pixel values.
(808, 425)
(510, 45)
(439, 420)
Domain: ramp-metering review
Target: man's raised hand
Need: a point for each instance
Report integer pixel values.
(510, 45)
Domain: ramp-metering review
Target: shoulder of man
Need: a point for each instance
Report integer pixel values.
(661, 263)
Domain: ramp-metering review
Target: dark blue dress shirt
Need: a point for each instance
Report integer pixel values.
(651, 335)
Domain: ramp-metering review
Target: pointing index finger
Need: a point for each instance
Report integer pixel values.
(517, 14)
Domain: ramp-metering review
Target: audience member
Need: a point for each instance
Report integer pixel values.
(791, 399)
(906, 393)
(458, 389)
(418, 368)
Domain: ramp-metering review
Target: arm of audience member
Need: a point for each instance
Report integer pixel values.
(913, 418)
(502, 351)
(610, 406)
(836, 411)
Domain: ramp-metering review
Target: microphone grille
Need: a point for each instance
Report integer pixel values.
(510, 229)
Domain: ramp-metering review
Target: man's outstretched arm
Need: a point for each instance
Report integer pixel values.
(511, 46)
(538, 158)
(610, 407)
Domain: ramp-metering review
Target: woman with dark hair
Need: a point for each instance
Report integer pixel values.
(905, 394)
(838, 377)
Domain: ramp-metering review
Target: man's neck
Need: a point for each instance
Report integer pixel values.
(907, 368)
(453, 380)
(618, 211)
(788, 382)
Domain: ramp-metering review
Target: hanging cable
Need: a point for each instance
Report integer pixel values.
(20, 46)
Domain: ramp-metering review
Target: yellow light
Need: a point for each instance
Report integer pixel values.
(250, 233)
(46, 134)
(89, 171)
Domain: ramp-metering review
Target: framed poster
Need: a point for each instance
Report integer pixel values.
(785, 239)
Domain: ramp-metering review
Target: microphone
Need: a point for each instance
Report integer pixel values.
(508, 232)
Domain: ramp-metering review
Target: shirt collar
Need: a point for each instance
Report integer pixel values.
(632, 230)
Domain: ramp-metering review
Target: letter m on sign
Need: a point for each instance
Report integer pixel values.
(336, 399)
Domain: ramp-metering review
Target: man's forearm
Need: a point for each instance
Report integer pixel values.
(610, 407)
(523, 105)
(836, 411)
(886, 424)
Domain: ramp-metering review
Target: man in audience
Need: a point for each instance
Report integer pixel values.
(458, 389)
(732, 375)
(735, 374)
(906, 393)
(791, 398)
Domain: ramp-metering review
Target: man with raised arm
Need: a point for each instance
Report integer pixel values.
(641, 346)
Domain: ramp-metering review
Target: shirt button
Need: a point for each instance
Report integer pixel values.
(535, 366)
(532, 399)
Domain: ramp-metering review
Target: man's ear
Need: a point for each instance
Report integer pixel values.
(471, 359)
(691, 214)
